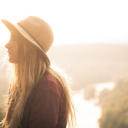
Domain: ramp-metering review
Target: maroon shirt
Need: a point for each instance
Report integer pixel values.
(45, 107)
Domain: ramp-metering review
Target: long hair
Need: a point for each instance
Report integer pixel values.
(26, 73)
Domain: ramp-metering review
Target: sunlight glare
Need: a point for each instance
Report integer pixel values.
(74, 21)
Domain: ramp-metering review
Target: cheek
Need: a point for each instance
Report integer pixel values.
(14, 56)
(16, 49)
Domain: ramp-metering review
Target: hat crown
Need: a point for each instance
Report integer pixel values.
(39, 30)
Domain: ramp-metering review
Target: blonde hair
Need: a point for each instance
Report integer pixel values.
(30, 68)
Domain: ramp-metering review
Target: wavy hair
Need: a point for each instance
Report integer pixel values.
(26, 73)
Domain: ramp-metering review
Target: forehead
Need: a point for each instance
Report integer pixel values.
(14, 33)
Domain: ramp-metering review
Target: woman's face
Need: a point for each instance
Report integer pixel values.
(12, 47)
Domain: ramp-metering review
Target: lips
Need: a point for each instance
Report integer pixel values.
(9, 53)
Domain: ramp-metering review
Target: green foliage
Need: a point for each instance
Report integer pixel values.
(114, 105)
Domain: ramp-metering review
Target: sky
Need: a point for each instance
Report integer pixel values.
(72, 21)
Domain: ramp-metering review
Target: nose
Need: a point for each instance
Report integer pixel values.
(7, 45)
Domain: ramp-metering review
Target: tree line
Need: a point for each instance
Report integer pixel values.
(113, 104)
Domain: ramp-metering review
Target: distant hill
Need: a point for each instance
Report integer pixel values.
(90, 64)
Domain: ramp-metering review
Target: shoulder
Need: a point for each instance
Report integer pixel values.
(48, 83)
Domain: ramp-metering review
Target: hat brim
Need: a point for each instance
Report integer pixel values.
(10, 26)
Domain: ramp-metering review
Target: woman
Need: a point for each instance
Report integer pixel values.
(39, 96)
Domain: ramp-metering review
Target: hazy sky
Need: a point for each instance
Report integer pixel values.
(72, 21)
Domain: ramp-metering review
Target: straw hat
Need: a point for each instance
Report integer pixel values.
(35, 30)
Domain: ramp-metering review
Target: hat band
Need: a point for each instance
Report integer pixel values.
(30, 35)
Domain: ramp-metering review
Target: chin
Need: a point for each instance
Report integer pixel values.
(11, 60)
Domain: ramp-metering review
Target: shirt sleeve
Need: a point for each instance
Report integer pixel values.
(44, 110)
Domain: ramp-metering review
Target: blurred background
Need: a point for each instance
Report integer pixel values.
(90, 45)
